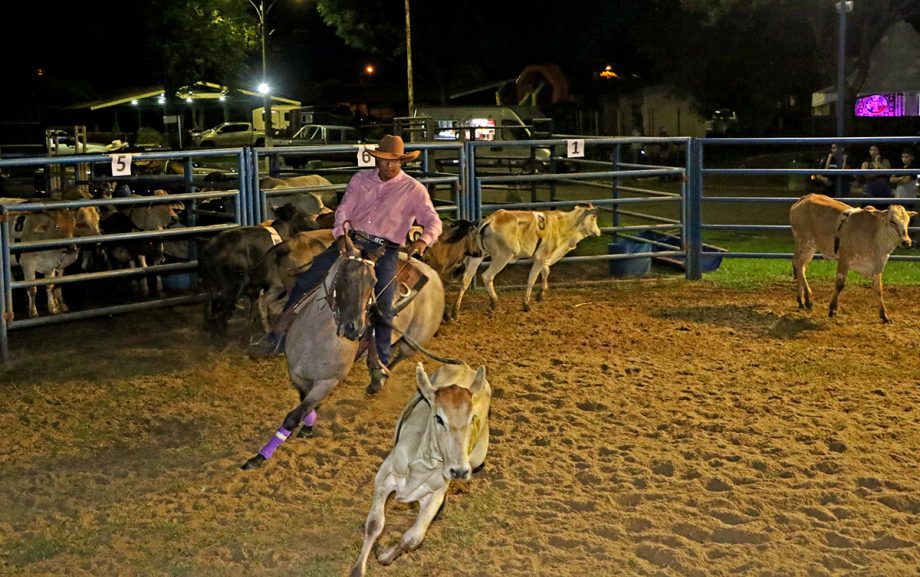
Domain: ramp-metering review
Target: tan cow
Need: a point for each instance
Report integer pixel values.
(313, 201)
(544, 237)
(441, 436)
(50, 225)
(861, 239)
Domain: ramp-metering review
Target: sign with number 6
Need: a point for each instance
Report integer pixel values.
(121, 165)
(365, 160)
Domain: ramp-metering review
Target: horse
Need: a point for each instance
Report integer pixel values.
(323, 342)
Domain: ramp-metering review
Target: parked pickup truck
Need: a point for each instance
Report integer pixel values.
(229, 135)
(321, 135)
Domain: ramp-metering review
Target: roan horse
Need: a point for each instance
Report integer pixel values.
(322, 343)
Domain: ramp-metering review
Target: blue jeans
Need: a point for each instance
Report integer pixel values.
(385, 270)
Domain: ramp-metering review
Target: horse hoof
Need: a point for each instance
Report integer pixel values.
(253, 463)
(305, 432)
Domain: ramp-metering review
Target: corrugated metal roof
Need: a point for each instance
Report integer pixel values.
(199, 90)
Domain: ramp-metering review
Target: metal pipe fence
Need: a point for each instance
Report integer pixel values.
(185, 189)
(639, 192)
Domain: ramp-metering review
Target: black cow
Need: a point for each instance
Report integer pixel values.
(226, 264)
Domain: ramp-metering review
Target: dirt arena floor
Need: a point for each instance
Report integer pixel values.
(642, 428)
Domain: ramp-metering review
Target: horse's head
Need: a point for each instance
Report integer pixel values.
(352, 292)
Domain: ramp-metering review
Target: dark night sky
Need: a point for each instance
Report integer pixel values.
(97, 43)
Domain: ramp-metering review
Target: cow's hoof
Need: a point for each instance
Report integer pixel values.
(305, 432)
(253, 463)
(388, 555)
(526, 307)
(886, 320)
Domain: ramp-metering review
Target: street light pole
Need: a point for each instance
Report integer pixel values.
(264, 88)
(409, 64)
(842, 8)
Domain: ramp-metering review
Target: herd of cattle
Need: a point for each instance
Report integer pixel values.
(262, 262)
(443, 433)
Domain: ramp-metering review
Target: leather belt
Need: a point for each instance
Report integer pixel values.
(378, 240)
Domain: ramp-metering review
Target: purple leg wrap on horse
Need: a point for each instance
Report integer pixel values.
(310, 418)
(280, 436)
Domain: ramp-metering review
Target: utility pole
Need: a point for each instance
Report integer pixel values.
(264, 87)
(842, 8)
(409, 61)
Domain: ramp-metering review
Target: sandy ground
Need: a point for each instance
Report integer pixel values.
(659, 428)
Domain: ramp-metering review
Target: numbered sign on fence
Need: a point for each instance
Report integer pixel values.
(121, 165)
(364, 159)
(575, 148)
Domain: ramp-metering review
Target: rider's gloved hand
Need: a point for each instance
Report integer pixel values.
(343, 244)
(416, 248)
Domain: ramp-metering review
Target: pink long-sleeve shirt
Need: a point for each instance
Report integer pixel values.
(387, 209)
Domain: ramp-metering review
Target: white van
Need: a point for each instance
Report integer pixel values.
(487, 123)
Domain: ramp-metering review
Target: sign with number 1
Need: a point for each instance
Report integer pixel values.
(575, 148)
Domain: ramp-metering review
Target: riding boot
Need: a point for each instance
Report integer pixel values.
(272, 344)
(379, 375)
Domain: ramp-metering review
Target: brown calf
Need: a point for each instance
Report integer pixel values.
(456, 242)
(859, 239)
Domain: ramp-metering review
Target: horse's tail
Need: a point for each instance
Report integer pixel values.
(418, 347)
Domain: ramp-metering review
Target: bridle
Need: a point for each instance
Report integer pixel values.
(331, 288)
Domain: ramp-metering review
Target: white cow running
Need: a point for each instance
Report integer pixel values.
(441, 436)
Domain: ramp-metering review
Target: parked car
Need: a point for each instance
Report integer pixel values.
(229, 135)
(320, 135)
(723, 122)
(61, 143)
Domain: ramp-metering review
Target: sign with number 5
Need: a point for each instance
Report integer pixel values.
(365, 160)
(121, 165)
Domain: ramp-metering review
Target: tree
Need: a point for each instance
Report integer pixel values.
(866, 26)
(201, 39)
(197, 40)
(754, 62)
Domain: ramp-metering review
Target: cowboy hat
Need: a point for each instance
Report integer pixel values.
(392, 148)
(115, 145)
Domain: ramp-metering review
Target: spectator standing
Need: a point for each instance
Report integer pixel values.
(906, 184)
(837, 186)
